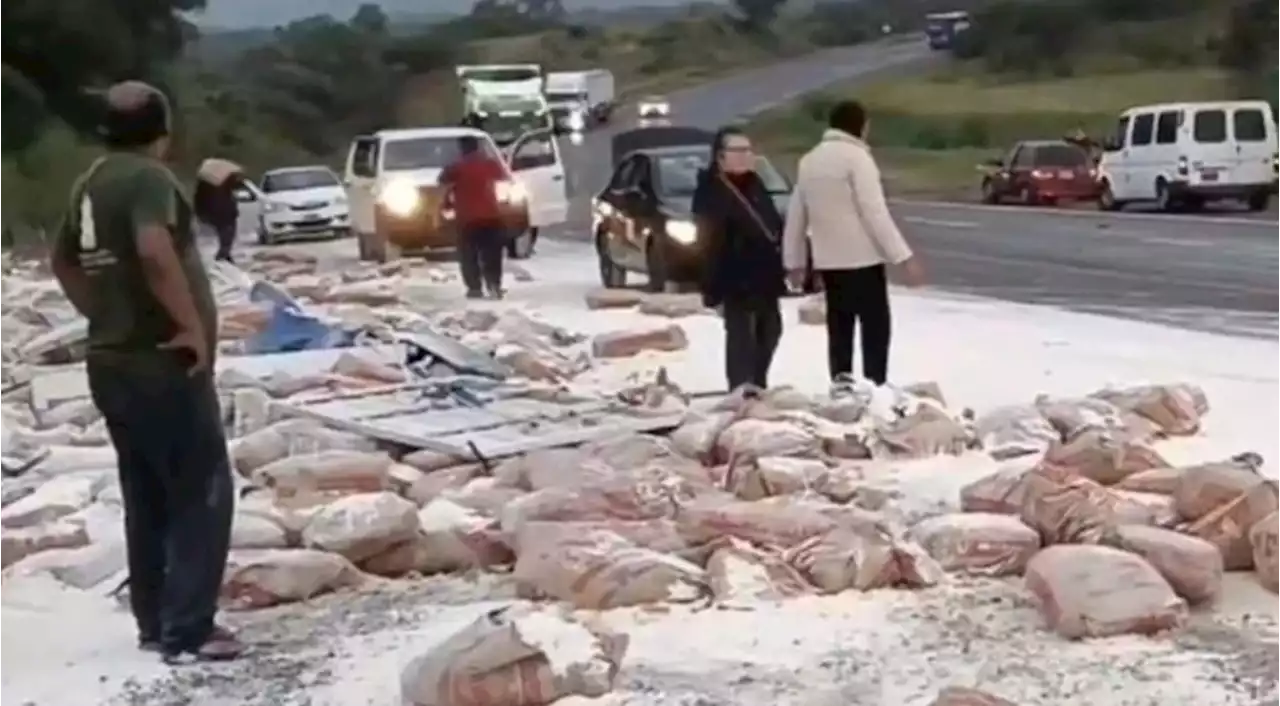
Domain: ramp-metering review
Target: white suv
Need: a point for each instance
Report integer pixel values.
(302, 202)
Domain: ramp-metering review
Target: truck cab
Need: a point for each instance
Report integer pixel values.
(580, 99)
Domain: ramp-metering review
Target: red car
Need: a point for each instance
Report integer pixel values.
(1041, 172)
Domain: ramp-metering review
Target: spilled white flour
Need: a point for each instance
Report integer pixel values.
(876, 648)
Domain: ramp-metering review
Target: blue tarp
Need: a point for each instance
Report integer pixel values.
(290, 328)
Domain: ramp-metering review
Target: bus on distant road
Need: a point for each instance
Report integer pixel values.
(942, 27)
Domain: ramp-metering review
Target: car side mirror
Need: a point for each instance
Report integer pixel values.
(1111, 145)
(994, 163)
(244, 195)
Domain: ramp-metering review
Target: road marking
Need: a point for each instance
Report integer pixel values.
(920, 220)
(1049, 211)
(1059, 267)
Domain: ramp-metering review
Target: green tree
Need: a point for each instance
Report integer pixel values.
(56, 49)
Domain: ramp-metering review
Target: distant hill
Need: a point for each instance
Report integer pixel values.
(247, 14)
(219, 43)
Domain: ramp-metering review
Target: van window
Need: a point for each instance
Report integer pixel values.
(1210, 126)
(364, 157)
(1249, 125)
(537, 152)
(1167, 127)
(1143, 129)
(1121, 138)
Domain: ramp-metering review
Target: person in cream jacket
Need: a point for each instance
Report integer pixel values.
(838, 210)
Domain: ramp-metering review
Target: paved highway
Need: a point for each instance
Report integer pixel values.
(1216, 273)
(1208, 273)
(722, 101)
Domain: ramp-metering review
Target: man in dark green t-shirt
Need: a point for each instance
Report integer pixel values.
(127, 259)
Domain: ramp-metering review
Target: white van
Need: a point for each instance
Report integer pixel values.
(392, 173)
(1182, 155)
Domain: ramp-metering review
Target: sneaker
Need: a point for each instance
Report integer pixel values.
(222, 645)
(475, 294)
(497, 294)
(147, 645)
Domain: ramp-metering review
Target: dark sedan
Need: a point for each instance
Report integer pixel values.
(642, 219)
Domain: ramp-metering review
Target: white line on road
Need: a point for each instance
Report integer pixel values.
(1270, 224)
(919, 220)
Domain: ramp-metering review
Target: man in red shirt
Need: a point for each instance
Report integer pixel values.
(473, 181)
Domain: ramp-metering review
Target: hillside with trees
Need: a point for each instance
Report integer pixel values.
(298, 92)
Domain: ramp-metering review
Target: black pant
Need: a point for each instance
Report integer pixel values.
(752, 328)
(858, 296)
(226, 238)
(480, 250)
(175, 480)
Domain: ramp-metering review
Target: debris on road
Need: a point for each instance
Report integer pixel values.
(454, 440)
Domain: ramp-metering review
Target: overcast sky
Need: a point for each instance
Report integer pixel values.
(238, 14)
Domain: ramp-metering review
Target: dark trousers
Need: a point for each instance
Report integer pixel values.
(175, 481)
(858, 297)
(226, 239)
(480, 251)
(752, 328)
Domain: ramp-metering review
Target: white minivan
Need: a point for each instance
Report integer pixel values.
(392, 180)
(1183, 155)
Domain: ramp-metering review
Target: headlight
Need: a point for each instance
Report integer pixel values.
(399, 198)
(575, 121)
(340, 201)
(654, 109)
(682, 232)
(511, 192)
(272, 206)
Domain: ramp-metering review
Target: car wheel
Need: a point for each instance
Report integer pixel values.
(1259, 201)
(989, 194)
(611, 276)
(521, 246)
(656, 266)
(1107, 199)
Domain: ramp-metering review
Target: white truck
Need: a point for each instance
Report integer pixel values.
(580, 99)
(504, 100)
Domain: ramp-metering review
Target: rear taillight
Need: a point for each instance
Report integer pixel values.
(1182, 166)
(1040, 174)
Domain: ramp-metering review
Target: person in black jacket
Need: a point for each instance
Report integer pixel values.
(215, 206)
(743, 275)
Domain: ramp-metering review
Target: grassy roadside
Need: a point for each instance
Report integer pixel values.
(930, 132)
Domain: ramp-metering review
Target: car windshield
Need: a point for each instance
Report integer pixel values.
(509, 104)
(677, 174)
(427, 153)
(507, 74)
(1061, 156)
(295, 179)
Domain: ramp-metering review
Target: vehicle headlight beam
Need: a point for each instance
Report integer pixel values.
(682, 232)
(399, 198)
